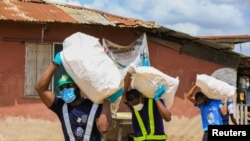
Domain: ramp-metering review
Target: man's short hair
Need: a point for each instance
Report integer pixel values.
(199, 95)
(132, 94)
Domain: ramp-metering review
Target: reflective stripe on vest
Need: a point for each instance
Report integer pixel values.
(151, 117)
(89, 126)
(151, 135)
(67, 122)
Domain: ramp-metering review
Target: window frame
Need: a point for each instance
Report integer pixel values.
(36, 61)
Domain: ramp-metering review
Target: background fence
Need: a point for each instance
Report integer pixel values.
(241, 114)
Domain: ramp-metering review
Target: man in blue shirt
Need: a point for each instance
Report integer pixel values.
(211, 109)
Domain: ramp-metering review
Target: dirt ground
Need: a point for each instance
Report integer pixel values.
(23, 129)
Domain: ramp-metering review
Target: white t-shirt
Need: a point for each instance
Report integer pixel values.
(230, 108)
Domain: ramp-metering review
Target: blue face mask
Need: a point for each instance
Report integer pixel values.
(68, 95)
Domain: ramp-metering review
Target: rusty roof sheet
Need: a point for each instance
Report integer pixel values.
(32, 12)
(130, 22)
(85, 16)
(41, 11)
(91, 16)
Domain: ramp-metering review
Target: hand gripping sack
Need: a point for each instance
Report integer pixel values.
(214, 88)
(146, 79)
(92, 70)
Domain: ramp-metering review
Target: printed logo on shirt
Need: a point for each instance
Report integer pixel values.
(79, 120)
(84, 118)
(79, 132)
(210, 117)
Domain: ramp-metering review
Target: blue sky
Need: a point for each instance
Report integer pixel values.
(194, 17)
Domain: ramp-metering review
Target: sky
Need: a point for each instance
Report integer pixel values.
(193, 17)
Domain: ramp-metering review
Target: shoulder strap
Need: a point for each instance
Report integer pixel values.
(67, 122)
(151, 116)
(90, 122)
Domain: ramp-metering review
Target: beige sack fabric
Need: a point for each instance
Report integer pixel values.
(146, 80)
(93, 71)
(214, 88)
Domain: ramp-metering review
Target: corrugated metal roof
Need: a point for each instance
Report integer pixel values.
(90, 16)
(85, 16)
(40, 11)
(32, 12)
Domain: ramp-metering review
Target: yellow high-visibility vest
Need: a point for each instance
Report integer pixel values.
(151, 135)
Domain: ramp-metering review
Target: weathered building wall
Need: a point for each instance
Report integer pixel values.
(167, 59)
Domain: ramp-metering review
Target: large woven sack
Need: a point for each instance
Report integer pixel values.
(214, 88)
(146, 80)
(92, 70)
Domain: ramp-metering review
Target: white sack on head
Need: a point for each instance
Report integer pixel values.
(146, 80)
(89, 66)
(214, 88)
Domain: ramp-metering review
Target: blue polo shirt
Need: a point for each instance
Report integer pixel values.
(210, 113)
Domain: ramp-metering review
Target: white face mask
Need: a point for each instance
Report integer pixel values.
(138, 107)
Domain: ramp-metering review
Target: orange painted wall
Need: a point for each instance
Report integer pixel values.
(12, 53)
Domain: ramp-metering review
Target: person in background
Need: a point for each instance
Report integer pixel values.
(230, 114)
(211, 109)
(147, 113)
(80, 118)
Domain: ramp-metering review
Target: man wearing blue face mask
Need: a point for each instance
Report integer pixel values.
(147, 113)
(67, 89)
(80, 118)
